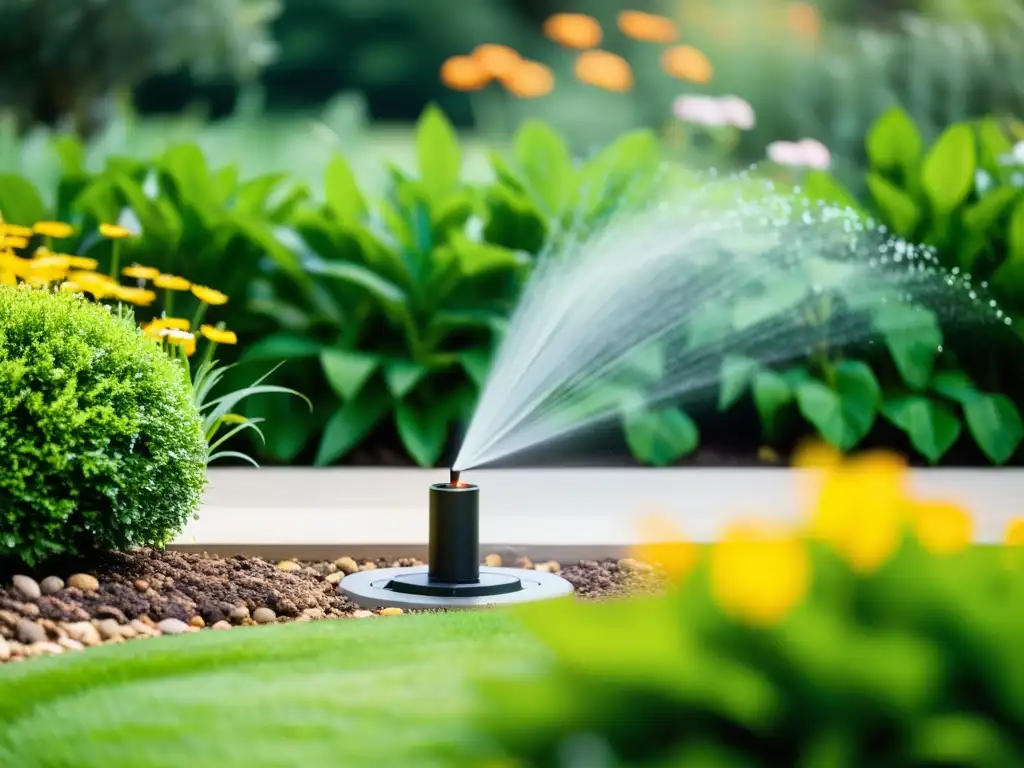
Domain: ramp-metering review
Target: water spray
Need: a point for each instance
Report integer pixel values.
(453, 577)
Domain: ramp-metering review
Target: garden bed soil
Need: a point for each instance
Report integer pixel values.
(148, 593)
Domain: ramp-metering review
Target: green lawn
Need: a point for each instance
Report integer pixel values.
(371, 692)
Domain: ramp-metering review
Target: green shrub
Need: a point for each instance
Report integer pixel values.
(101, 443)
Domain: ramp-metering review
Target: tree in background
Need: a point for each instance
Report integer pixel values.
(62, 62)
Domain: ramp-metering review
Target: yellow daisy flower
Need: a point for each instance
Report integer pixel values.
(209, 295)
(171, 282)
(218, 335)
(139, 272)
(57, 229)
(115, 231)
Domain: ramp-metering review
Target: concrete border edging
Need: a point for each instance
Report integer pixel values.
(569, 514)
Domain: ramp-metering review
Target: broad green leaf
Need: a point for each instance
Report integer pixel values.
(440, 157)
(424, 432)
(960, 738)
(660, 437)
(392, 298)
(844, 413)
(947, 173)
(71, 153)
(994, 144)
(477, 259)
(341, 191)
(897, 207)
(955, 385)
(913, 337)
(821, 185)
(288, 425)
(281, 347)
(894, 142)
(645, 363)
(932, 426)
(771, 393)
(477, 363)
(402, 376)
(983, 215)
(20, 203)
(252, 195)
(736, 375)
(621, 175)
(996, 425)
(351, 423)
(546, 164)
(347, 372)
(187, 166)
(1015, 236)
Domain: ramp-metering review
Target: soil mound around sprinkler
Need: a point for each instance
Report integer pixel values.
(148, 593)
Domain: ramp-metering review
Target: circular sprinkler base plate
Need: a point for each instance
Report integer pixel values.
(410, 588)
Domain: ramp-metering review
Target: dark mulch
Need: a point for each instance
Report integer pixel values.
(151, 592)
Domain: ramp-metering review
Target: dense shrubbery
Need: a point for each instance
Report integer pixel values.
(389, 308)
(102, 444)
(873, 635)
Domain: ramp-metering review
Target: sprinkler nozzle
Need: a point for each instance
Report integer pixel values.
(453, 477)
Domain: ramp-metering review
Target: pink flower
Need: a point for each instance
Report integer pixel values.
(738, 112)
(807, 153)
(702, 110)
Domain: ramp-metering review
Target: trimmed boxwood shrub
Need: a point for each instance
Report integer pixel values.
(100, 442)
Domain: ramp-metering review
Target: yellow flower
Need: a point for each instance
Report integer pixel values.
(209, 295)
(57, 229)
(100, 286)
(573, 30)
(687, 63)
(174, 323)
(1014, 535)
(171, 282)
(139, 272)
(52, 261)
(138, 296)
(647, 27)
(8, 278)
(664, 545)
(153, 330)
(941, 527)
(14, 230)
(17, 266)
(82, 262)
(69, 287)
(218, 336)
(180, 339)
(759, 572)
(115, 231)
(14, 241)
(45, 275)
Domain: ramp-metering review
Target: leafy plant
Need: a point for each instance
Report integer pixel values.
(102, 443)
(871, 634)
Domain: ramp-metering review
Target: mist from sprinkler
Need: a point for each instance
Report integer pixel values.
(643, 310)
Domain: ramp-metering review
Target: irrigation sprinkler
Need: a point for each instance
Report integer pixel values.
(453, 577)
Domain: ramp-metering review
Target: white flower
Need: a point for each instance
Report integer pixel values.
(739, 112)
(715, 112)
(806, 153)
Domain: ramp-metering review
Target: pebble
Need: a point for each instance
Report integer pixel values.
(288, 565)
(141, 585)
(362, 614)
(141, 627)
(51, 585)
(263, 616)
(197, 621)
(172, 626)
(222, 625)
(334, 578)
(493, 561)
(635, 566)
(69, 645)
(5, 649)
(30, 609)
(391, 611)
(83, 632)
(551, 566)
(368, 566)
(84, 582)
(127, 631)
(346, 565)
(30, 633)
(110, 612)
(239, 613)
(42, 649)
(524, 562)
(325, 569)
(27, 587)
(109, 629)
(313, 613)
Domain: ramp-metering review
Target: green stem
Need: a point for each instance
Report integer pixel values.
(198, 317)
(168, 303)
(115, 259)
(208, 354)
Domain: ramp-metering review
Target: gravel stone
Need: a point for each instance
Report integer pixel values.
(346, 565)
(493, 561)
(27, 587)
(84, 582)
(264, 616)
(29, 632)
(335, 577)
(51, 585)
(391, 611)
(83, 632)
(109, 629)
(288, 565)
(362, 614)
(239, 613)
(172, 626)
(222, 625)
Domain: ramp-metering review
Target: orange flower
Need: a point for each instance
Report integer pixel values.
(687, 63)
(604, 70)
(647, 27)
(530, 80)
(573, 30)
(804, 20)
(463, 73)
(498, 61)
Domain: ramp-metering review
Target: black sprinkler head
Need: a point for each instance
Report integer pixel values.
(453, 577)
